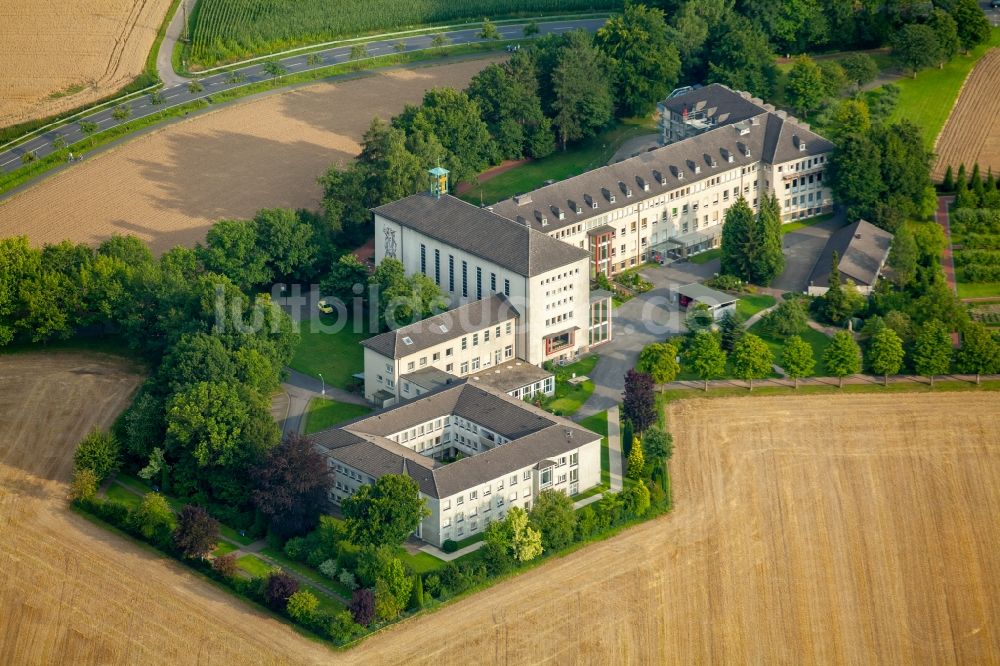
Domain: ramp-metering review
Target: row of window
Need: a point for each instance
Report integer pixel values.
(465, 274)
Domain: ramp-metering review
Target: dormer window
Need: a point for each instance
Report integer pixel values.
(697, 169)
(611, 198)
(680, 175)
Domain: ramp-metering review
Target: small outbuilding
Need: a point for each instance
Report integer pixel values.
(861, 248)
(717, 302)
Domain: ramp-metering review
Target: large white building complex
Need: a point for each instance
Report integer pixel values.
(472, 253)
(510, 451)
(671, 201)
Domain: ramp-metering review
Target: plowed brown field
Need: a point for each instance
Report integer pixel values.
(60, 54)
(972, 133)
(169, 186)
(825, 529)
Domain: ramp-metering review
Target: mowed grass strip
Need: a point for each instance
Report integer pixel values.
(336, 354)
(927, 100)
(323, 413)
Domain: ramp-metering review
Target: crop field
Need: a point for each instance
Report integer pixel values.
(800, 534)
(227, 30)
(972, 133)
(57, 55)
(167, 187)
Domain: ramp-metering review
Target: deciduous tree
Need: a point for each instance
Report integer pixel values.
(582, 101)
(362, 606)
(797, 358)
(980, 351)
(973, 27)
(705, 357)
(916, 46)
(932, 350)
(636, 460)
(657, 445)
(752, 359)
(291, 486)
(515, 535)
(280, 587)
(154, 519)
(386, 512)
(805, 87)
(860, 68)
(639, 403)
(98, 451)
(197, 532)
(843, 356)
(659, 361)
(553, 516)
(885, 354)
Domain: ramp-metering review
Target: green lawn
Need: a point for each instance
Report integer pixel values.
(599, 423)
(978, 289)
(818, 341)
(599, 488)
(422, 563)
(706, 256)
(117, 492)
(589, 154)
(233, 535)
(253, 565)
(927, 100)
(750, 305)
(323, 413)
(224, 548)
(335, 355)
(800, 224)
(570, 397)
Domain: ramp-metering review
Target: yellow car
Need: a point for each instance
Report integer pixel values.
(324, 307)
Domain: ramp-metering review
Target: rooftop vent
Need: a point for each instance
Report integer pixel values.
(521, 199)
(755, 121)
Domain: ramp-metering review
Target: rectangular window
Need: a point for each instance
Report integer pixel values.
(508, 328)
(508, 351)
(527, 475)
(574, 459)
(449, 368)
(460, 500)
(546, 477)
(464, 368)
(486, 335)
(496, 331)
(474, 495)
(448, 351)
(574, 475)
(479, 282)
(513, 482)
(493, 282)
(410, 365)
(465, 279)
(437, 356)
(451, 273)
(475, 339)
(437, 267)
(506, 287)
(423, 259)
(465, 343)
(475, 364)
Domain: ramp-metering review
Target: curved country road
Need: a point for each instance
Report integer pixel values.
(178, 94)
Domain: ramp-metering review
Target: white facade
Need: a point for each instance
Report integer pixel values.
(550, 303)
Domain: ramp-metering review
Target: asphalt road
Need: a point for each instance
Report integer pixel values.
(178, 94)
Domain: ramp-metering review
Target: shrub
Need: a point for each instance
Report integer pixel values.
(348, 580)
(727, 282)
(417, 593)
(279, 588)
(586, 523)
(362, 606)
(84, 486)
(295, 548)
(197, 532)
(496, 558)
(328, 568)
(449, 546)
(226, 566)
(636, 500)
(432, 585)
(100, 452)
(114, 512)
(302, 606)
(343, 628)
(154, 520)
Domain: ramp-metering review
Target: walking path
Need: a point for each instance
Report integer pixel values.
(947, 259)
(448, 557)
(254, 549)
(301, 389)
(164, 57)
(615, 449)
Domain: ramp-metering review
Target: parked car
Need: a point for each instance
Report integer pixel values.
(995, 4)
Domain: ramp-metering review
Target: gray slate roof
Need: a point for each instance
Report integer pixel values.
(706, 295)
(482, 233)
(862, 248)
(718, 103)
(662, 170)
(446, 326)
(535, 435)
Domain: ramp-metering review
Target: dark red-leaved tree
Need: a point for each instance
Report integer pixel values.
(280, 586)
(291, 486)
(197, 532)
(639, 403)
(362, 606)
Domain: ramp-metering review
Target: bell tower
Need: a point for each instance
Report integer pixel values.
(439, 181)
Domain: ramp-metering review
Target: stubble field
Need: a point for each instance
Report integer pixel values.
(57, 55)
(814, 529)
(972, 133)
(169, 186)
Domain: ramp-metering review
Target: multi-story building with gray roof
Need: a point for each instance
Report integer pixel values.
(473, 451)
(671, 201)
(472, 254)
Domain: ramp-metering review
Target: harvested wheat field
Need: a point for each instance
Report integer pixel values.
(824, 529)
(56, 55)
(169, 186)
(972, 133)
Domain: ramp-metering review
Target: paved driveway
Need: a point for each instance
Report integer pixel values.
(802, 250)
